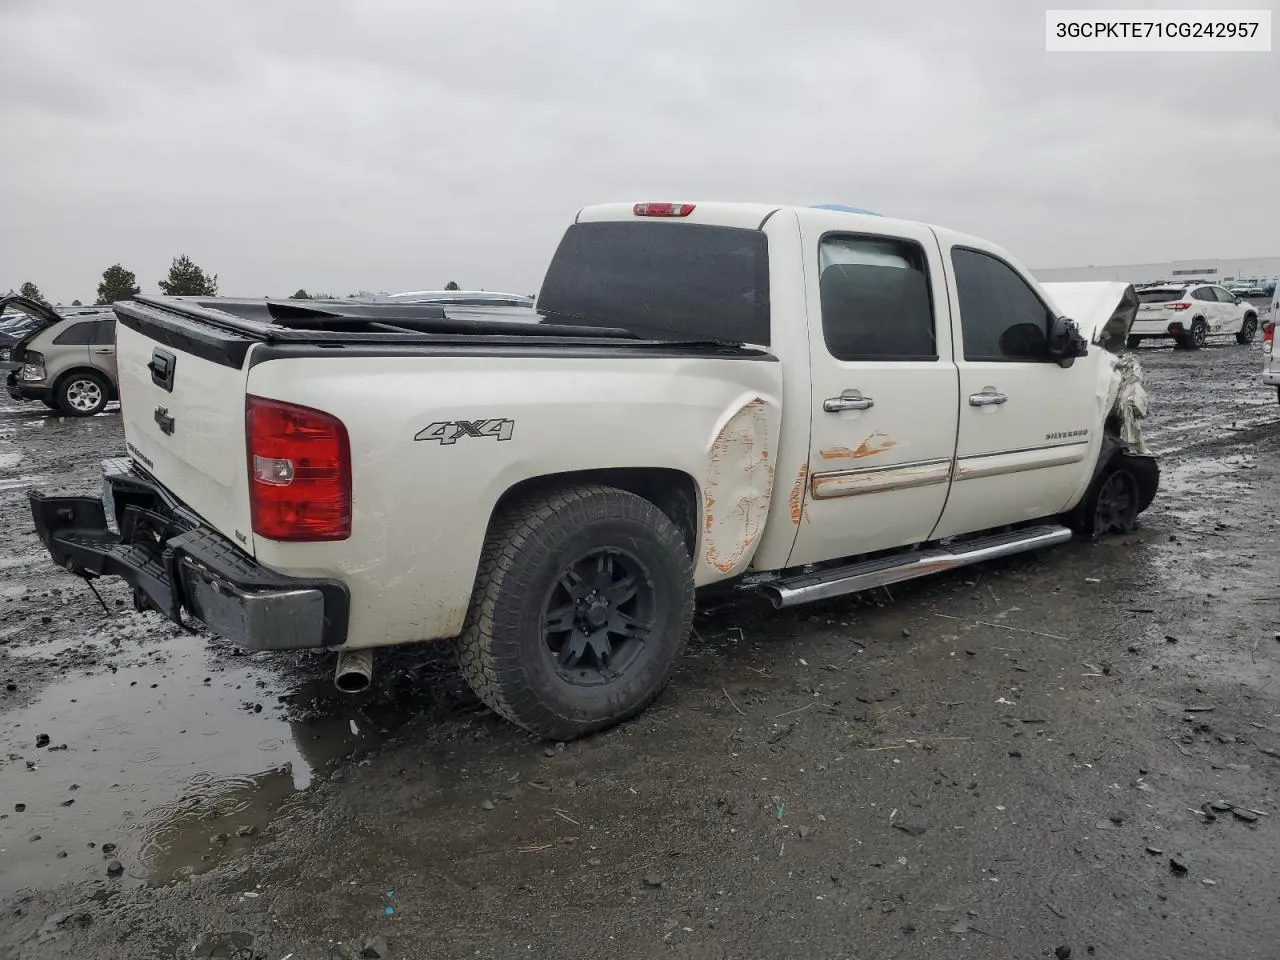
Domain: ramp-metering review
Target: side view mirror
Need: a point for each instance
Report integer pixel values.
(1065, 342)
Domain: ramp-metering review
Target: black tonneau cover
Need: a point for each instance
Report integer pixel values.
(222, 329)
(294, 320)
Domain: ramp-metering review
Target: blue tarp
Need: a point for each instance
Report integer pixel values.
(843, 209)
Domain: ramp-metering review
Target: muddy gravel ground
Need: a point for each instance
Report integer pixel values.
(1076, 750)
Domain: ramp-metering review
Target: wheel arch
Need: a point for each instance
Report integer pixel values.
(1113, 447)
(112, 392)
(674, 492)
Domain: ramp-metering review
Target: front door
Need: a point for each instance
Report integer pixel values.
(1230, 314)
(884, 394)
(1026, 423)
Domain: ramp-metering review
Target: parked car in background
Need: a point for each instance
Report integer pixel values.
(1271, 369)
(1253, 288)
(67, 361)
(13, 327)
(1191, 313)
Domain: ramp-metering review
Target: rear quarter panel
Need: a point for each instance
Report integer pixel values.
(422, 509)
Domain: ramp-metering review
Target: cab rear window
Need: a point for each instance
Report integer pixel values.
(670, 281)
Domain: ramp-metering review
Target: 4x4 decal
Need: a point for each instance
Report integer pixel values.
(449, 431)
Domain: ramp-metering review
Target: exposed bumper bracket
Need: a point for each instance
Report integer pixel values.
(174, 567)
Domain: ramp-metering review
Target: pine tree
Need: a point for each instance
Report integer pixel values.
(188, 280)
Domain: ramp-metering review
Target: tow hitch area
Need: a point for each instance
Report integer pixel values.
(175, 565)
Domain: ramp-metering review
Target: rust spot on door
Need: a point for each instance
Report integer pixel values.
(876, 443)
(798, 511)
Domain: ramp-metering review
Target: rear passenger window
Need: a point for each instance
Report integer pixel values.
(1001, 317)
(78, 335)
(876, 303)
(105, 334)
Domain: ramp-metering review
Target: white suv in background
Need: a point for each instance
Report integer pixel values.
(1191, 313)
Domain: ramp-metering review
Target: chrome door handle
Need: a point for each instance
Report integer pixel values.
(986, 399)
(837, 404)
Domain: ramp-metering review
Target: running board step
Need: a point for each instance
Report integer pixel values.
(868, 574)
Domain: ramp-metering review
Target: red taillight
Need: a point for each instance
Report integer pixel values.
(1268, 330)
(299, 472)
(662, 209)
(1177, 306)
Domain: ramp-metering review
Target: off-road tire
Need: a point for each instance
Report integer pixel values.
(503, 652)
(74, 386)
(1248, 330)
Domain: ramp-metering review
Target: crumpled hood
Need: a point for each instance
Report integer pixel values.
(1103, 310)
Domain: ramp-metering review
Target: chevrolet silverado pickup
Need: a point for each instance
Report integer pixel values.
(802, 402)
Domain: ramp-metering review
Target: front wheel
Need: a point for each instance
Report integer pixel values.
(582, 604)
(1118, 494)
(1248, 330)
(1132, 343)
(82, 394)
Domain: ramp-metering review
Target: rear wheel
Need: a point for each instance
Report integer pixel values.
(82, 393)
(1198, 336)
(1248, 330)
(583, 603)
(1132, 343)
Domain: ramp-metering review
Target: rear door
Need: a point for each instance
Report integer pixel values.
(1207, 306)
(102, 351)
(884, 388)
(1025, 422)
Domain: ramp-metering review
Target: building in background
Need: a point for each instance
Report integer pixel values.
(1225, 272)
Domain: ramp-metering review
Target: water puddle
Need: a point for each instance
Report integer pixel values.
(179, 754)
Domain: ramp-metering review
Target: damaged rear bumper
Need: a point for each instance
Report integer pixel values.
(176, 565)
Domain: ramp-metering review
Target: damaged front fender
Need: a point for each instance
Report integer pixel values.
(1128, 403)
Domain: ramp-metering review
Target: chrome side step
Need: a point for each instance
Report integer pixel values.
(868, 574)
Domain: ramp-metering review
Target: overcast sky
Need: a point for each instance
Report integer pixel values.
(395, 144)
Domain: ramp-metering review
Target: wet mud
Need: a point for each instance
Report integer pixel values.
(994, 763)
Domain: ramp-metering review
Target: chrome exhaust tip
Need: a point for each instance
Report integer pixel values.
(354, 672)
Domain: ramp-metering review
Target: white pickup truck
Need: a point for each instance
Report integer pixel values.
(804, 401)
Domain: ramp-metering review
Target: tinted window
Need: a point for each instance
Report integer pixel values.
(1202, 293)
(105, 333)
(664, 280)
(875, 300)
(1159, 296)
(1001, 317)
(78, 335)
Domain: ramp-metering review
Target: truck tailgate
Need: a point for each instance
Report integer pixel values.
(184, 422)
